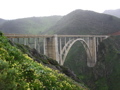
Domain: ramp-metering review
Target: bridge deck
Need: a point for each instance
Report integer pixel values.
(37, 36)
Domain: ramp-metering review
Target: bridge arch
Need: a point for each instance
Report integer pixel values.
(68, 46)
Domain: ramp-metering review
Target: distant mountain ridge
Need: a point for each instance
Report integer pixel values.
(86, 22)
(113, 12)
(33, 25)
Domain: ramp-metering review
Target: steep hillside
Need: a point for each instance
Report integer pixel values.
(86, 22)
(20, 72)
(113, 12)
(40, 58)
(105, 75)
(33, 25)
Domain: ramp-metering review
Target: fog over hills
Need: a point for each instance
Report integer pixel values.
(32, 25)
(86, 22)
(113, 12)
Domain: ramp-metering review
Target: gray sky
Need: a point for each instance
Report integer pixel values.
(12, 9)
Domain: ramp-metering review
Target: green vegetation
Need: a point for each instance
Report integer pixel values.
(105, 75)
(80, 22)
(33, 25)
(20, 72)
(33, 53)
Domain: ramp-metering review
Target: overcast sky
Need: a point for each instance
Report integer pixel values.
(13, 9)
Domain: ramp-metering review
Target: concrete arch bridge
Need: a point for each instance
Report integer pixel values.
(58, 46)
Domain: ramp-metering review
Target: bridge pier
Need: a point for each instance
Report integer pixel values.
(92, 46)
(51, 47)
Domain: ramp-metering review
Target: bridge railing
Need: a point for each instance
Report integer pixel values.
(31, 35)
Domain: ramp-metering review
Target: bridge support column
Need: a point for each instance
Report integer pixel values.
(38, 45)
(92, 46)
(97, 44)
(24, 40)
(12, 39)
(51, 47)
(18, 40)
(35, 43)
(45, 47)
(60, 57)
(29, 42)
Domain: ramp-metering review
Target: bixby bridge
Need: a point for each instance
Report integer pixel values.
(58, 46)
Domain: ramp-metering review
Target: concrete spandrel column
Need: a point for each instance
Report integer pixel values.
(101, 39)
(29, 42)
(87, 39)
(24, 40)
(12, 39)
(38, 45)
(97, 43)
(18, 40)
(60, 55)
(44, 41)
(35, 43)
(95, 49)
(65, 42)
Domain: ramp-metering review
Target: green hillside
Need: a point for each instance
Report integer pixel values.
(105, 75)
(33, 25)
(86, 22)
(20, 72)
